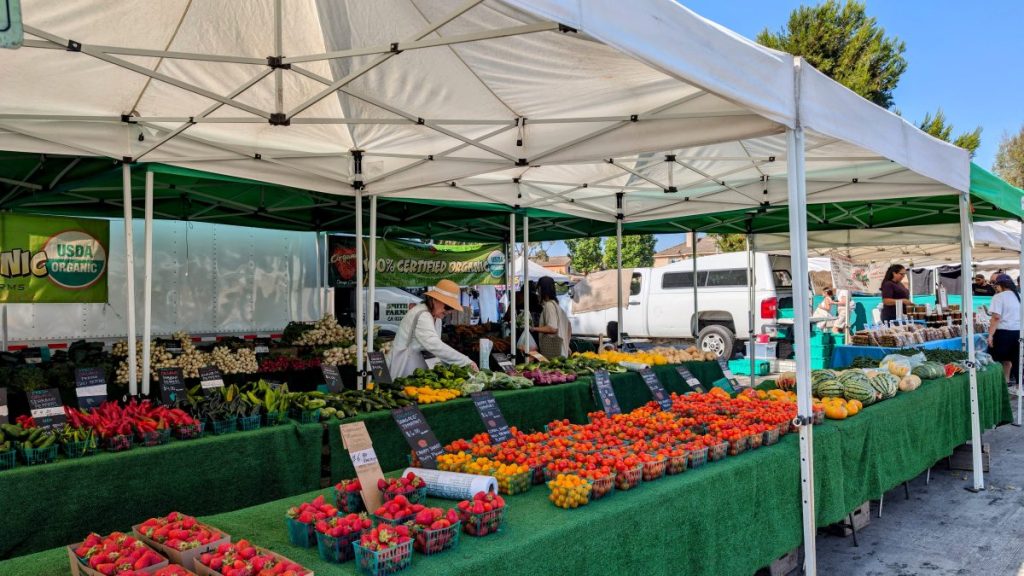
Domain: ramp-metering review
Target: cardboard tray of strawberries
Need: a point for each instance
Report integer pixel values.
(95, 563)
(183, 538)
(204, 570)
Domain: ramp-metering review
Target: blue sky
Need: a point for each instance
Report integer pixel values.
(965, 57)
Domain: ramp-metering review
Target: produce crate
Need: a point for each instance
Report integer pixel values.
(189, 431)
(629, 479)
(299, 534)
(275, 418)
(738, 447)
(348, 502)
(482, 524)
(118, 443)
(393, 521)
(417, 496)
(221, 427)
(602, 487)
(76, 449)
(154, 438)
(306, 416)
(516, 483)
(821, 363)
(430, 542)
(755, 441)
(718, 451)
(698, 458)
(784, 428)
(8, 459)
(770, 437)
(202, 570)
(80, 568)
(382, 562)
(182, 557)
(742, 367)
(246, 423)
(33, 456)
(654, 470)
(336, 550)
(677, 464)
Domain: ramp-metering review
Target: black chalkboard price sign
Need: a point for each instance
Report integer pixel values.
(605, 394)
(4, 413)
(172, 385)
(504, 361)
(491, 414)
(210, 379)
(379, 368)
(690, 379)
(657, 390)
(46, 408)
(332, 377)
(90, 387)
(729, 375)
(418, 434)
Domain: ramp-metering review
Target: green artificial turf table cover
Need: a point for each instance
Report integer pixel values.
(728, 517)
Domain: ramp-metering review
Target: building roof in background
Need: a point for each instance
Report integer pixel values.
(555, 261)
(705, 245)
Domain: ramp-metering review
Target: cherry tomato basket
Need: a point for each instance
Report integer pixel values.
(755, 441)
(602, 487)
(629, 479)
(737, 447)
(698, 457)
(783, 429)
(484, 523)
(654, 469)
(430, 542)
(336, 549)
(718, 451)
(515, 483)
(677, 464)
(770, 437)
(382, 562)
(301, 534)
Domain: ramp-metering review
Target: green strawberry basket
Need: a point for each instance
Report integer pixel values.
(34, 456)
(484, 523)
(275, 418)
(306, 416)
(8, 459)
(153, 438)
(221, 427)
(189, 431)
(348, 502)
(301, 534)
(246, 423)
(119, 443)
(393, 521)
(79, 448)
(430, 542)
(336, 550)
(415, 496)
(382, 562)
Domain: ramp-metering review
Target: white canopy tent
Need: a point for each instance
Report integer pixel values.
(536, 272)
(563, 105)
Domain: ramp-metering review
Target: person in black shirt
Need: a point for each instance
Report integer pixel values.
(894, 291)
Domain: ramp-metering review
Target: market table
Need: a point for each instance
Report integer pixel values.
(842, 356)
(729, 517)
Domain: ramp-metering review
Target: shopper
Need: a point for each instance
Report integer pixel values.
(824, 309)
(553, 320)
(894, 291)
(982, 288)
(1004, 329)
(843, 312)
(420, 331)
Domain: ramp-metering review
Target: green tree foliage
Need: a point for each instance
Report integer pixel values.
(585, 254)
(938, 126)
(730, 242)
(1009, 163)
(844, 43)
(637, 251)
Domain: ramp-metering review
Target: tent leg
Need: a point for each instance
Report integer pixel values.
(147, 284)
(694, 322)
(371, 292)
(526, 275)
(359, 288)
(129, 276)
(618, 267)
(801, 328)
(1020, 355)
(319, 279)
(3, 318)
(326, 262)
(752, 288)
(511, 288)
(967, 312)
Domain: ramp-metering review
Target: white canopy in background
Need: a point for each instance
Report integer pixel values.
(537, 272)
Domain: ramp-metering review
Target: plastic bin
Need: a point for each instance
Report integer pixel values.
(382, 562)
(762, 350)
(629, 479)
(34, 456)
(482, 524)
(336, 550)
(246, 423)
(300, 534)
(430, 542)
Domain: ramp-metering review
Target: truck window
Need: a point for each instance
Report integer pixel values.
(720, 278)
(783, 279)
(674, 280)
(634, 284)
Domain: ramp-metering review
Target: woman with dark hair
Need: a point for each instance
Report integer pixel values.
(824, 309)
(894, 291)
(1004, 329)
(552, 318)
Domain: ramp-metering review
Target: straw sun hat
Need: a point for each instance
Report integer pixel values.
(446, 292)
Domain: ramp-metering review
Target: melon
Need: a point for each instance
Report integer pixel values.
(859, 388)
(909, 383)
(821, 375)
(885, 384)
(829, 389)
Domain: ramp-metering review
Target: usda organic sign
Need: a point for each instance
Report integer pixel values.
(53, 259)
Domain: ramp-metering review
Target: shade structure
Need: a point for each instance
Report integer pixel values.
(536, 271)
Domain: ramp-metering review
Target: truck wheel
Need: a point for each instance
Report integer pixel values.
(717, 339)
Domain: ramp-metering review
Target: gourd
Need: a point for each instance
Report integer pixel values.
(853, 407)
(909, 383)
(896, 368)
(836, 411)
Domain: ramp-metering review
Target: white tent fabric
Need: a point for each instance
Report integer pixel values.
(918, 246)
(537, 272)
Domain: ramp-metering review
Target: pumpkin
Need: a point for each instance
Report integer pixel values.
(909, 383)
(836, 411)
(853, 407)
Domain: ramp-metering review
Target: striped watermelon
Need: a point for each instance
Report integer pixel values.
(821, 375)
(886, 385)
(829, 389)
(857, 386)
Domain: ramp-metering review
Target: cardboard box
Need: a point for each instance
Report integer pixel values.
(787, 563)
(184, 558)
(80, 569)
(202, 570)
(861, 518)
(962, 458)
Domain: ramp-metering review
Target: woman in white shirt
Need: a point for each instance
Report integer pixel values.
(1004, 329)
(420, 331)
(552, 318)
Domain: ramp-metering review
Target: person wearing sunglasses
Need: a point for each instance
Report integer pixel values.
(420, 331)
(894, 291)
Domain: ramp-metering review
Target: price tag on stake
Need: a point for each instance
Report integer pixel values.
(172, 385)
(332, 377)
(657, 390)
(381, 374)
(690, 379)
(4, 416)
(90, 387)
(210, 379)
(418, 434)
(729, 375)
(356, 439)
(46, 408)
(490, 413)
(605, 394)
(504, 361)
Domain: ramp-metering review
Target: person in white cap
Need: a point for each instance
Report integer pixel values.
(420, 331)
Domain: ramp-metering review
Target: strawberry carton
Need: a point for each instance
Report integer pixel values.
(179, 537)
(411, 486)
(244, 559)
(397, 511)
(384, 550)
(117, 554)
(335, 535)
(173, 570)
(348, 496)
(301, 520)
(435, 531)
(483, 514)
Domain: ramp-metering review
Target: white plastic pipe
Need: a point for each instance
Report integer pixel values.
(147, 284)
(801, 328)
(372, 288)
(967, 313)
(129, 277)
(511, 288)
(359, 286)
(526, 274)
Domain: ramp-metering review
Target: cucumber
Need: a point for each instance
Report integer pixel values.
(48, 441)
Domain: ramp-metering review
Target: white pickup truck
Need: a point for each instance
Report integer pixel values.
(661, 301)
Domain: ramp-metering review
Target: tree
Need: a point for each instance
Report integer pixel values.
(1009, 163)
(637, 251)
(844, 43)
(585, 254)
(938, 127)
(730, 242)
(539, 251)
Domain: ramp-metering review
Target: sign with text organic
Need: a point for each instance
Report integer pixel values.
(657, 390)
(53, 259)
(413, 264)
(490, 413)
(46, 408)
(356, 439)
(172, 385)
(418, 434)
(379, 370)
(605, 394)
(90, 387)
(690, 379)
(332, 377)
(210, 379)
(4, 414)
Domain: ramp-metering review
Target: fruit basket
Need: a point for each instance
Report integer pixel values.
(393, 521)
(349, 502)
(602, 487)
(512, 484)
(629, 478)
(654, 469)
(738, 446)
(246, 423)
(275, 418)
(189, 431)
(770, 437)
(336, 549)
(482, 524)
(382, 562)
(677, 464)
(429, 542)
(300, 533)
(414, 496)
(755, 441)
(75, 448)
(718, 451)
(306, 416)
(33, 456)
(153, 437)
(221, 427)
(784, 428)
(698, 458)
(8, 459)
(118, 443)
(569, 491)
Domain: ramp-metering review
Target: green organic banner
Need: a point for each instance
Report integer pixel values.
(53, 259)
(406, 264)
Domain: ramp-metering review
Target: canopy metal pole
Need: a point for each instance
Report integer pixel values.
(147, 287)
(129, 277)
(3, 313)
(618, 268)
(752, 284)
(1020, 354)
(319, 280)
(371, 295)
(967, 314)
(801, 327)
(526, 276)
(324, 276)
(694, 323)
(511, 288)
(359, 286)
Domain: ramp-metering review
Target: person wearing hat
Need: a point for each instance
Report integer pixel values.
(420, 331)
(1004, 328)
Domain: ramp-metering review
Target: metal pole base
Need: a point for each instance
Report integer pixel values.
(973, 489)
